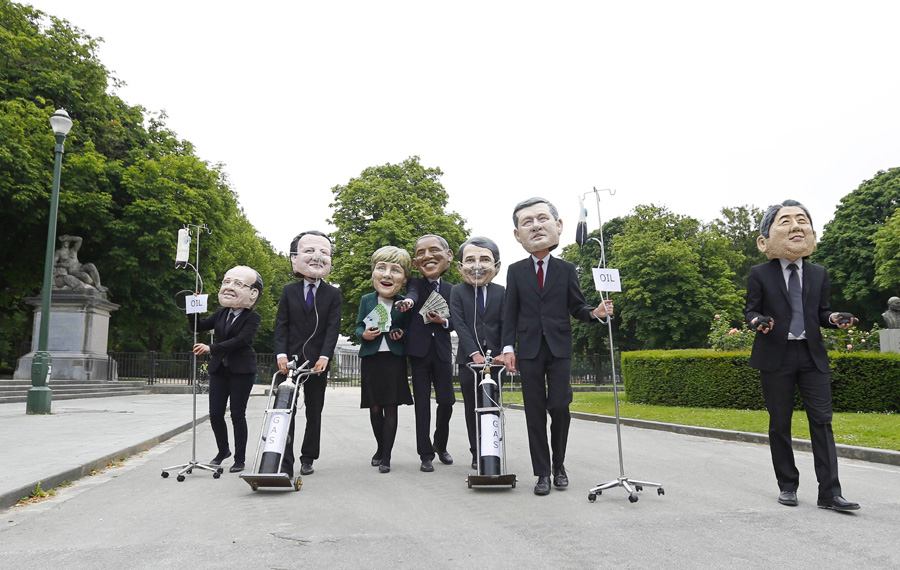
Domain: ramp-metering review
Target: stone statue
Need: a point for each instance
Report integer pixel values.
(892, 315)
(68, 272)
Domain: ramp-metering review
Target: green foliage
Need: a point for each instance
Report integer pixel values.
(851, 340)
(702, 378)
(128, 184)
(739, 226)
(848, 247)
(392, 204)
(861, 382)
(588, 338)
(887, 254)
(727, 333)
(674, 276)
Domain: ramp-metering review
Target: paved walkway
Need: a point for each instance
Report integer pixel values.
(718, 511)
(84, 435)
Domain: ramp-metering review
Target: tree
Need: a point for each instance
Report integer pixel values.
(740, 227)
(588, 338)
(848, 249)
(675, 277)
(887, 255)
(128, 185)
(393, 204)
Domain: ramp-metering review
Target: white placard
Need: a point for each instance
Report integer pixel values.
(607, 280)
(195, 303)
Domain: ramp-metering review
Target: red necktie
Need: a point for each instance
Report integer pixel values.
(540, 274)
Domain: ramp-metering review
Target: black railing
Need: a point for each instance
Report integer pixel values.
(175, 368)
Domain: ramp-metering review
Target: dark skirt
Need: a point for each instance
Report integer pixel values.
(383, 380)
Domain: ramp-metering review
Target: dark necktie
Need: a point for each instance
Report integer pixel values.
(310, 296)
(436, 286)
(480, 298)
(231, 317)
(540, 274)
(795, 293)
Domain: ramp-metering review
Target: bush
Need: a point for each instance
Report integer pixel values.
(861, 382)
(727, 333)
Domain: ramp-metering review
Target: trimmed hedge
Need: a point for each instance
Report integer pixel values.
(860, 381)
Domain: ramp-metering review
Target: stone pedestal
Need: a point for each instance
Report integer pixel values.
(890, 340)
(78, 336)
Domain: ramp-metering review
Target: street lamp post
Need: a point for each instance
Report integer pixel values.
(39, 394)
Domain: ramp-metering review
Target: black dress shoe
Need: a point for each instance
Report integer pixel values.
(542, 487)
(376, 460)
(384, 468)
(427, 466)
(560, 479)
(306, 469)
(238, 466)
(788, 498)
(444, 456)
(220, 457)
(474, 464)
(837, 503)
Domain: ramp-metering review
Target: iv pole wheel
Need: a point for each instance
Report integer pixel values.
(660, 491)
(217, 474)
(592, 497)
(164, 474)
(633, 498)
(180, 478)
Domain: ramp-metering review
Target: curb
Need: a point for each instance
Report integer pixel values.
(11, 498)
(871, 454)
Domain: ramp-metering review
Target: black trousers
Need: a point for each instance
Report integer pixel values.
(467, 387)
(429, 371)
(313, 402)
(225, 385)
(798, 370)
(546, 389)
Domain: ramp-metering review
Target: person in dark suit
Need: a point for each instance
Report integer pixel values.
(541, 293)
(787, 303)
(307, 325)
(232, 360)
(382, 329)
(477, 309)
(429, 349)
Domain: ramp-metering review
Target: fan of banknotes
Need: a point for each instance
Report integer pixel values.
(379, 317)
(434, 303)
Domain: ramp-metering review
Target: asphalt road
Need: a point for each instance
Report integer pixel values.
(719, 509)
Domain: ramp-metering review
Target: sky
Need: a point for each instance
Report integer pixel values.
(692, 105)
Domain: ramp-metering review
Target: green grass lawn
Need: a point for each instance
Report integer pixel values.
(867, 430)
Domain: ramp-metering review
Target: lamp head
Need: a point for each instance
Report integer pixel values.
(61, 122)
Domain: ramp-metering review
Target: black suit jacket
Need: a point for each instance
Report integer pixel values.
(767, 295)
(422, 335)
(236, 343)
(531, 313)
(471, 325)
(308, 333)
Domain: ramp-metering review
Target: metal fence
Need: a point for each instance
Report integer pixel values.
(175, 368)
